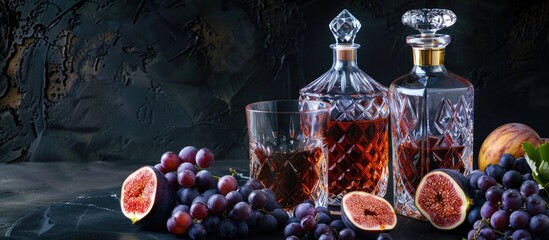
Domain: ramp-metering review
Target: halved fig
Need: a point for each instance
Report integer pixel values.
(442, 197)
(366, 213)
(146, 198)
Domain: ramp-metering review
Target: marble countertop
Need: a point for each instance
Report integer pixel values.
(81, 201)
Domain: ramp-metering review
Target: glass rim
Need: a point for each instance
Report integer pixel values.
(326, 107)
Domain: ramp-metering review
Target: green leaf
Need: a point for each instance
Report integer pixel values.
(538, 159)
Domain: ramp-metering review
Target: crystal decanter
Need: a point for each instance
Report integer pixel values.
(357, 135)
(431, 111)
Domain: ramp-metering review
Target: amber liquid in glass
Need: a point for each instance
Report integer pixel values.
(357, 157)
(412, 169)
(293, 177)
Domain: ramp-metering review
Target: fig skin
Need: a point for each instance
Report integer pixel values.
(164, 202)
(360, 231)
(462, 184)
(507, 138)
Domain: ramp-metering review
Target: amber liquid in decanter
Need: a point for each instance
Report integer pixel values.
(357, 135)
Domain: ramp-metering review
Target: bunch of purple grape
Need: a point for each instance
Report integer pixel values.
(508, 202)
(222, 208)
(310, 222)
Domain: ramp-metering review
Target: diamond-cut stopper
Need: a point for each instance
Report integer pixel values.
(428, 21)
(344, 27)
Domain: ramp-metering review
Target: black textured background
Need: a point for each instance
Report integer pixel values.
(108, 80)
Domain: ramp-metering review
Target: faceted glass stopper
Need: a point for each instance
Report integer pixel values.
(428, 21)
(344, 27)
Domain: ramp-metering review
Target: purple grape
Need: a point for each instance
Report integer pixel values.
(521, 165)
(473, 178)
(204, 158)
(217, 204)
(211, 223)
(304, 209)
(535, 204)
(197, 231)
(511, 199)
(479, 224)
(488, 233)
(321, 229)
(507, 161)
(487, 210)
(200, 199)
(186, 166)
(181, 207)
(160, 168)
(308, 223)
(186, 178)
(384, 236)
(233, 198)
(485, 182)
(173, 228)
(188, 154)
(519, 219)
(527, 176)
(493, 194)
(281, 216)
(471, 234)
(347, 234)
(227, 229)
(204, 180)
(182, 220)
(496, 171)
(254, 183)
(258, 199)
(172, 181)
(539, 224)
(474, 215)
(338, 225)
(292, 238)
(323, 218)
(327, 236)
(187, 195)
(500, 220)
(199, 210)
(528, 188)
(252, 221)
(267, 223)
(546, 212)
(241, 212)
(511, 179)
(292, 220)
(321, 209)
(170, 161)
(208, 193)
(521, 234)
(226, 184)
(271, 200)
(245, 191)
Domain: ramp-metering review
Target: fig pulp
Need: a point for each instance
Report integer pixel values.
(146, 198)
(366, 213)
(442, 197)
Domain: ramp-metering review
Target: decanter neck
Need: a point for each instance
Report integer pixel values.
(345, 56)
(428, 56)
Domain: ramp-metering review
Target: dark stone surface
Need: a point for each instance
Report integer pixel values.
(67, 200)
(113, 80)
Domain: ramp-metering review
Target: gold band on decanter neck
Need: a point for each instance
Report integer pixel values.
(346, 54)
(428, 57)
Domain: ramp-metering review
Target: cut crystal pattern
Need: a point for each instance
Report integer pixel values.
(344, 27)
(428, 21)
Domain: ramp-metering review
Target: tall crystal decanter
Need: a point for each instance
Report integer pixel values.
(431, 111)
(357, 135)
